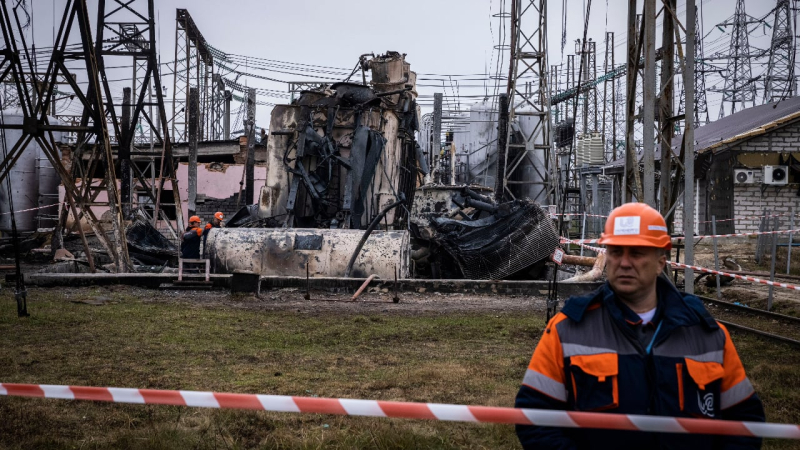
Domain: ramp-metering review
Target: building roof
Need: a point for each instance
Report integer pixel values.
(745, 124)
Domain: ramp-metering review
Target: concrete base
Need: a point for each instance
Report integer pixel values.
(245, 281)
(347, 285)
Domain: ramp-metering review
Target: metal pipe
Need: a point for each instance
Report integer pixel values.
(648, 113)
(194, 101)
(249, 187)
(772, 264)
(401, 199)
(502, 141)
(363, 286)
(789, 248)
(716, 255)
(688, 135)
(592, 275)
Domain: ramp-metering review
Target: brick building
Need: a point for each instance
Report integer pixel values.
(745, 164)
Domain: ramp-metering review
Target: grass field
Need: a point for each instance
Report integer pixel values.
(465, 358)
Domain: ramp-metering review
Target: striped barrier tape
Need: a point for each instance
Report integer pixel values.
(407, 410)
(750, 217)
(30, 209)
(705, 221)
(679, 238)
(754, 233)
(699, 269)
(733, 275)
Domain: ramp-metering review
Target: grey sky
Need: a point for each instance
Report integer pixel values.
(439, 36)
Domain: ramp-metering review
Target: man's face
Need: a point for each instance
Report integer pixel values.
(215, 221)
(632, 271)
(194, 224)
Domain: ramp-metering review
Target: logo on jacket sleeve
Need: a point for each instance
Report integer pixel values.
(706, 404)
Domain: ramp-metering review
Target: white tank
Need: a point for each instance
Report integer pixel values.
(478, 142)
(34, 181)
(532, 168)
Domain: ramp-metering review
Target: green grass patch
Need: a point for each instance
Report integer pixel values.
(465, 358)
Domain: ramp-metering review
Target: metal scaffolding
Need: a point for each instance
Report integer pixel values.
(530, 99)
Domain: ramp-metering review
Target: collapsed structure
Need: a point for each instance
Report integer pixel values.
(344, 156)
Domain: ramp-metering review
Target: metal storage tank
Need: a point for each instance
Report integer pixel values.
(476, 146)
(533, 168)
(29, 191)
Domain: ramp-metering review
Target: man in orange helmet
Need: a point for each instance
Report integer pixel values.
(190, 245)
(636, 346)
(216, 222)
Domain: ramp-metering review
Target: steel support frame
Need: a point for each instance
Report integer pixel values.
(529, 60)
(93, 123)
(193, 67)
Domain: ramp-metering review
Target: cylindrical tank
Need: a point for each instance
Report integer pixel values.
(478, 142)
(532, 169)
(48, 191)
(285, 252)
(24, 183)
(34, 181)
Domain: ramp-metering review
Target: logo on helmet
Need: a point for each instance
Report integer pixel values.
(626, 225)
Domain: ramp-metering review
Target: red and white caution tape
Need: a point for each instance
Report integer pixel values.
(754, 233)
(30, 209)
(679, 238)
(407, 410)
(699, 269)
(733, 275)
(747, 218)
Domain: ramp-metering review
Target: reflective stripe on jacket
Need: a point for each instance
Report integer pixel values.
(590, 359)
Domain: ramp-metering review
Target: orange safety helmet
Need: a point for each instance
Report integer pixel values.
(636, 225)
(219, 215)
(194, 219)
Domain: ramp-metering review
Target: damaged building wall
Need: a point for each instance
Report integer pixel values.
(315, 180)
(216, 182)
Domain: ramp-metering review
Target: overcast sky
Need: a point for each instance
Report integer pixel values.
(450, 37)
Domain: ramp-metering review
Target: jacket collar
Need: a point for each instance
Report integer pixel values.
(676, 309)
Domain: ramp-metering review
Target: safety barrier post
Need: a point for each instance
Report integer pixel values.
(789, 248)
(772, 264)
(583, 230)
(760, 241)
(716, 256)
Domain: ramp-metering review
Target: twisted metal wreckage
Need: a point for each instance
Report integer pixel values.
(343, 155)
(347, 190)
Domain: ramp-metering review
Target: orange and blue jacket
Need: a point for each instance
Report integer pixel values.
(592, 357)
(190, 245)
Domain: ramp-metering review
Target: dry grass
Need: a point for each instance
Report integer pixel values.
(474, 358)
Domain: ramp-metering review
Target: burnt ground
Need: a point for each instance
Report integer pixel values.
(371, 300)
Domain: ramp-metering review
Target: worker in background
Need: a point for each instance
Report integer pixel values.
(637, 345)
(216, 222)
(190, 246)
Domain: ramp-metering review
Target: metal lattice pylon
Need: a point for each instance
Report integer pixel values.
(740, 86)
(779, 83)
(530, 97)
(700, 68)
(193, 67)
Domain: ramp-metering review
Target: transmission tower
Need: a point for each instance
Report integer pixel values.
(193, 67)
(779, 82)
(700, 68)
(529, 96)
(740, 86)
(587, 51)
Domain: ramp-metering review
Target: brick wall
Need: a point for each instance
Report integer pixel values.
(208, 206)
(753, 199)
